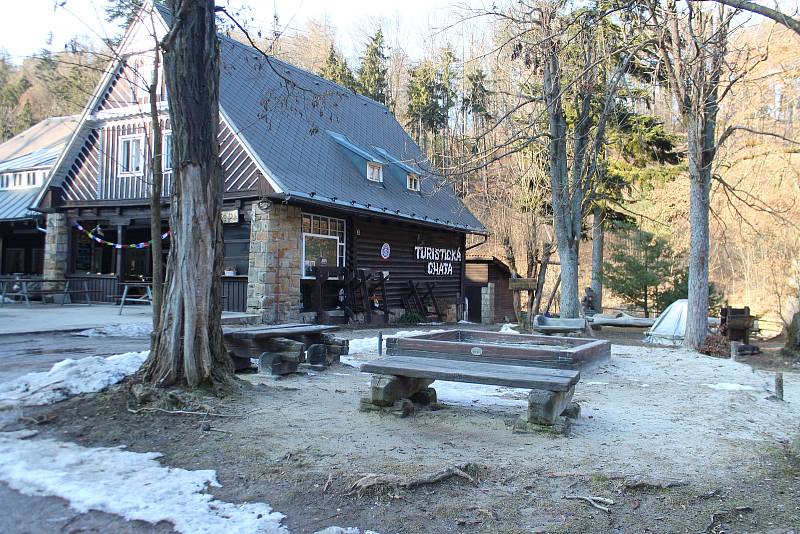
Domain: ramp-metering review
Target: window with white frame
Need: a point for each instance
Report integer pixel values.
(374, 172)
(412, 182)
(324, 243)
(166, 150)
(130, 155)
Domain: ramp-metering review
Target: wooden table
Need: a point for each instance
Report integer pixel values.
(146, 297)
(29, 287)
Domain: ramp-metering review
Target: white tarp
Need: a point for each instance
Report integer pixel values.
(670, 327)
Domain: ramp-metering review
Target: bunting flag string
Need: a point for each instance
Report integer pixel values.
(143, 244)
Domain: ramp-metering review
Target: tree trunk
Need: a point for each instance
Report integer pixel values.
(187, 347)
(155, 196)
(598, 243)
(547, 252)
(700, 190)
(563, 196)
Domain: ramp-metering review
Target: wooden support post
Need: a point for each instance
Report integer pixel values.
(779, 385)
(119, 270)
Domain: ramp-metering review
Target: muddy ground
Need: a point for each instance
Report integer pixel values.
(301, 443)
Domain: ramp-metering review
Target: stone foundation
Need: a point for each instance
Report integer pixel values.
(273, 280)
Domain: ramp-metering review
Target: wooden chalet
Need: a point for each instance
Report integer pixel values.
(329, 212)
(25, 163)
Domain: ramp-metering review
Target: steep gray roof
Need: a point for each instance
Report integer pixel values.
(14, 203)
(315, 137)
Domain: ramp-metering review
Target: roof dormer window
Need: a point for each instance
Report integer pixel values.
(412, 181)
(374, 172)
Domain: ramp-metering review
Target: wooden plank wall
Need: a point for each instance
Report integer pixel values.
(370, 235)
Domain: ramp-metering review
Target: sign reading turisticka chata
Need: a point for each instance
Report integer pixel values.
(440, 260)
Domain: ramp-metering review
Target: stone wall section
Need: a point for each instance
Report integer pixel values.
(56, 246)
(487, 303)
(273, 279)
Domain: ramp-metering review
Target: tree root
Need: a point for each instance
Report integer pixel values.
(374, 480)
(592, 500)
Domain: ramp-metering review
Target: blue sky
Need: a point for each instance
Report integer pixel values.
(27, 25)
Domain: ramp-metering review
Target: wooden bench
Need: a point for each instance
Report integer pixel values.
(27, 288)
(557, 325)
(404, 377)
(281, 349)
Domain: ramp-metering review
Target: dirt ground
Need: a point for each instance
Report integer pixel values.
(663, 415)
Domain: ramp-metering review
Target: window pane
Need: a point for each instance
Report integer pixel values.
(323, 227)
(319, 252)
(125, 156)
(306, 224)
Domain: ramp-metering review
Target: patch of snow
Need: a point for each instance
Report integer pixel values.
(594, 383)
(465, 394)
(69, 377)
(508, 328)
(351, 362)
(340, 530)
(129, 484)
(369, 345)
(464, 321)
(725, 386)
(119, 330)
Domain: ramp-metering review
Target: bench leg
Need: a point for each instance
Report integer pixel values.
(122, 300)
(387, 389)
(545, 407)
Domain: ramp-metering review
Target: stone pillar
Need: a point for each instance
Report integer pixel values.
(487, 304)
(56, 246)
(274, 273)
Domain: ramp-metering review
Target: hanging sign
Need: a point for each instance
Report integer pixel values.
(386, 251)
(143, 244)
(230, 216)
(440, 260)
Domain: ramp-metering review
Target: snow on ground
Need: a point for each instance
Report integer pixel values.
(119, 330)
(69, 377)
(664, 407)
(129, 484)
(508, 328)
(369, 345)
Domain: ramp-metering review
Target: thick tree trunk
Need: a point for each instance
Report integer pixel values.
(564, 196)
(155, 196)
(699, 205)
(188, 348)
(598, 244)
(570, 304)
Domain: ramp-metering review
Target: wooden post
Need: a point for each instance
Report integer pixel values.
(553, 294)
(119, 272)
(779, 385)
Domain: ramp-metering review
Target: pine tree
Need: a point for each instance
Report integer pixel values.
(638, 267)
(372, 73)
(336, 70)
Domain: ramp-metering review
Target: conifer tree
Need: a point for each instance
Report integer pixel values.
(372, 73)
(336, 70)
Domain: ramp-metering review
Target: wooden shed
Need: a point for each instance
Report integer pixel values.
(489, 300)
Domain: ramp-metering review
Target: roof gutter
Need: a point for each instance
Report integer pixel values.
(356, 207)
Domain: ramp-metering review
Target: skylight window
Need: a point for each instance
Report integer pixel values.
(412, 182)
(374, 172)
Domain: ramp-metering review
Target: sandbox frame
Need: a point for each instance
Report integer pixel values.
(481, 346)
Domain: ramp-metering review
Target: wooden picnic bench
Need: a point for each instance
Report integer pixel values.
(281, 349)
(409, 377)
(145, 297)
(43, 287)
